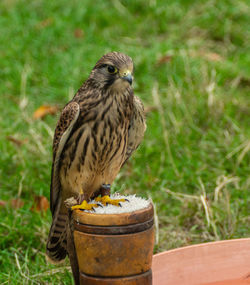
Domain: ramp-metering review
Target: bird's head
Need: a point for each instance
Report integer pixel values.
(113, 71)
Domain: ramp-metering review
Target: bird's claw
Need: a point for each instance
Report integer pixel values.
(93, 209)
(85, 206)
(106, 200)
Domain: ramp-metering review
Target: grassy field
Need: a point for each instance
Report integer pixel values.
(191, 71)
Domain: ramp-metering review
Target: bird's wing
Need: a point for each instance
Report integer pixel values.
(63, 130)
(137, 128)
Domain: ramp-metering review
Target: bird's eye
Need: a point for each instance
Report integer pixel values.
(112, 69)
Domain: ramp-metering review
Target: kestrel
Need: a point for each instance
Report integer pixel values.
(97, 132)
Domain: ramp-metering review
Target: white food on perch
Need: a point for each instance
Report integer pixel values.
(134, 204)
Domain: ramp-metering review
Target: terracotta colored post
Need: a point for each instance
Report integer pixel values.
(114, 249)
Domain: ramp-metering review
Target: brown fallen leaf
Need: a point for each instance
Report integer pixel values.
(2, 203)
(78, 33)
(44, 110)
(16, 203)
(211, 56)
(45, 23)
(16, 141)
(41, 204)
(164, 59)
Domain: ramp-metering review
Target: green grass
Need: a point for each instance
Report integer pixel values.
(194, 161)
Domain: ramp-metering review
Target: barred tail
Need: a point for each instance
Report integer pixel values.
(56, 250)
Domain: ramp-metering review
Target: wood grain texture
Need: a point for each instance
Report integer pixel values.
(114, 255)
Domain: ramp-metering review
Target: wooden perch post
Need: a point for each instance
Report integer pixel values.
(112, 249)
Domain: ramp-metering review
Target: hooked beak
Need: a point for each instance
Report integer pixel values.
(128, 77)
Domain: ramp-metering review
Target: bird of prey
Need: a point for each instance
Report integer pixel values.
(97, 132)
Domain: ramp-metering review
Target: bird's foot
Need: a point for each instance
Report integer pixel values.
(85, 206)
(105, 200)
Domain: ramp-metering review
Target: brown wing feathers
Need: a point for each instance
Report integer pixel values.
(56, 246)
(63, 130)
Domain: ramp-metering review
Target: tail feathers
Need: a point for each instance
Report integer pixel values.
(57, 240)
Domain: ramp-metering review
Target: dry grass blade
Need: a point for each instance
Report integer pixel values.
(204, 202)
(24, 78)
(120, 7)
(48, 129)
(237, 149)
(245, 150)
(20, 270)
(52, 271)
(16, 141)
(37, 140)
(205, 206)
(181, 196)
(222, 183)
(20, 185)
(156, 223)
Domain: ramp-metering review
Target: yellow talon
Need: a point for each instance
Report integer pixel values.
(84, 206)
(107, 200)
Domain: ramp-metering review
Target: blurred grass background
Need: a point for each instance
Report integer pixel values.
(192, 72)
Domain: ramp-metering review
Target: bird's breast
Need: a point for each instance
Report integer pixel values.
(96, 148)
(100, 140)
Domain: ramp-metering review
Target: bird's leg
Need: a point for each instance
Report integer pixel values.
(105, 190)
(105, 197)
(83, 203)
